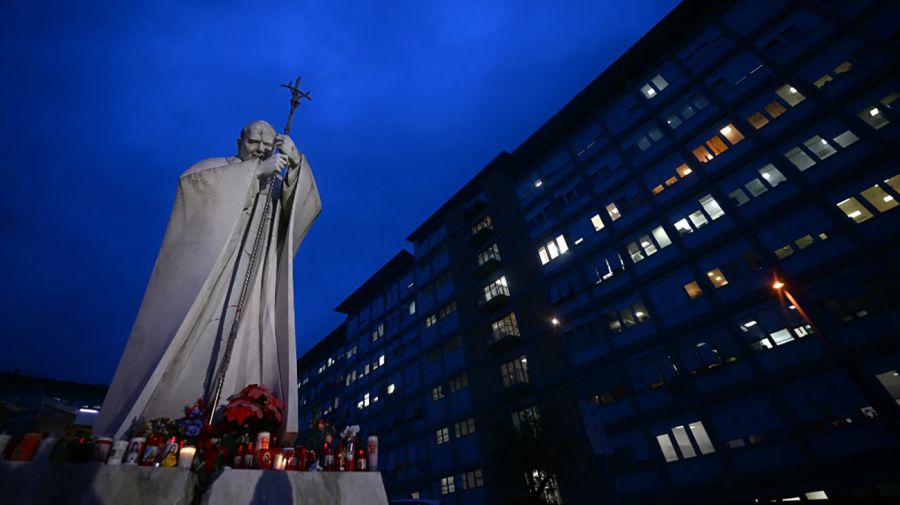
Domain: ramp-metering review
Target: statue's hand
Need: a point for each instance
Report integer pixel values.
(271, 165)
(286, 145)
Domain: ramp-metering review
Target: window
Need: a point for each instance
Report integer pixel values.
(789, 94)
(609, 396)
(819, 147)
(441, 436)
(693, 290)
(488, 254)
(716, 145)
(627, 316)
(761, 338)
(471, 479)
(391, 388)
(685, 110)
(446, 310)
(546, 482)
(855, 210)
(483, 223)
(459, 382)
(755, 187)
(891, 382)
(613, 211)
(515, 372)
(835, 73)
(874, 115)
(527, 422)
(717, 278)
(697, 218)
(689, 440)
(645, 247)
(801, 243)
(447, 485)
(553, 249)
(504, 327)
(378, 332)
(606, 265)
(412, 307)
(652, 88)
(681, 171)
(437, 393)
(879, 198)
(597, 222)
(496, 288)
(464, 427)
(430, 320)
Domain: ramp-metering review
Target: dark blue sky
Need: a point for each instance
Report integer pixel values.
(104, 103)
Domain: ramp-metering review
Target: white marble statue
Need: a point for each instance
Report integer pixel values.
(177, 343)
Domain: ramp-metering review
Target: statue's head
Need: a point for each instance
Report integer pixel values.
(257, 141)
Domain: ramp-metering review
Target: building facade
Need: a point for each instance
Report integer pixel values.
(682, 288)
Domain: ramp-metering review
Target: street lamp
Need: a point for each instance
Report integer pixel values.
(777, 284)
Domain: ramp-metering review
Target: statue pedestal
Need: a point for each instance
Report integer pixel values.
(94, 484)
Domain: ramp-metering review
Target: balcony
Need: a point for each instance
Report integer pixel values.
(481, 236)
(495, 302)
(475, 206)
(489, 266)
(503, 339)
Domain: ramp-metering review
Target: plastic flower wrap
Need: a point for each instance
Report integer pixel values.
(192, 422)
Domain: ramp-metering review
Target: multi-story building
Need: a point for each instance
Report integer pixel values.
(683, 287)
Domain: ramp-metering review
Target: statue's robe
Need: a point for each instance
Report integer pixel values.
(180, 334)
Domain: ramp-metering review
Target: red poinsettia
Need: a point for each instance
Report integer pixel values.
(255, 408)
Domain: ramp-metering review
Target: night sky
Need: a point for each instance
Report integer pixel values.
(104, 103)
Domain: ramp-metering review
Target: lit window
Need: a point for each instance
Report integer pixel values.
(514, 372)
(527, 422)
(659, 82)
(553, 249)
(755, 187)
(738, 197)
(473, 479)
(874, 116)
(683, 170)
(711, 206)
(492, 252)
(855, 210)
(442, 435)
(891, 382)
(804, 241)
(496, 288)
(757, 120)
(698, 219)
(635, 252)
(464, 427)
(799, 158)
(702, 154)
(894, 182)
(613, 211)
(731, 133)
(437, 393)
(846, 139)
(648, 91)
(391, 388)
(657, 190)
(790, 95)
(683, 227)
(597, 222)
(879, 198)
(822, 81)
(673, 121)
(716, 145)
(843, 68)
(668, 450)
(648, 245)
(717, 278)
(448, 485)
(784, 252)
(412, 307)
(686, 440)
(772, 175)
(662, 238)
(774, 109)
(820, 147)
(693, 290)
(505, 327)
(431, 320)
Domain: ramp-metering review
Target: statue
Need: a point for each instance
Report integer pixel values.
(218, 312)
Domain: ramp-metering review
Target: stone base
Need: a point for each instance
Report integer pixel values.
(258, 487)
(95, 484)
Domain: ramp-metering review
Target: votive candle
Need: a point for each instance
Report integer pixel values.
(186, 456)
